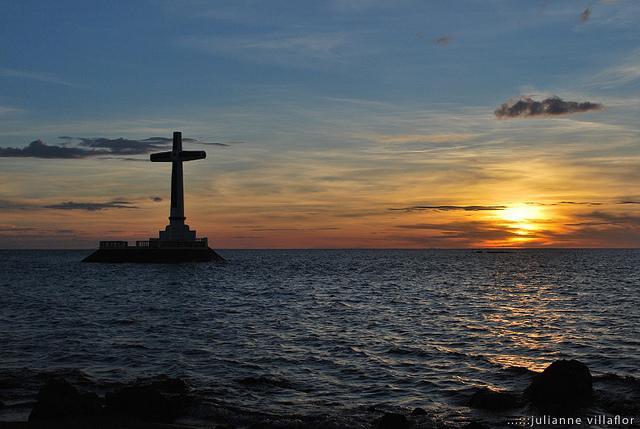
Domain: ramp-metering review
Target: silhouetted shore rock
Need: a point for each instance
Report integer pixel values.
(59, 400)
(393, 421)
(155, 400)
(475, 425)
(488, 399)
(164, 384)
(565, 387)
(160, 399)
(562, 387)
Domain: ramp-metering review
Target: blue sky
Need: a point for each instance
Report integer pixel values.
(351, 90)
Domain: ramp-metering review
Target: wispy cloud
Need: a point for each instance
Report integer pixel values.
(35, 75)
(628, 71)
(92, 206)
(526, 107)
(423, 138)
(8, 110)
(301, 50)
(451, 208)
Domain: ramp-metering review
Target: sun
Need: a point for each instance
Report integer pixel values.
(522, 219)
(521, 213)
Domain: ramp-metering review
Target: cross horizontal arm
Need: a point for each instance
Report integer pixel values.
(190, 155)
(185, 155)
(161, 157)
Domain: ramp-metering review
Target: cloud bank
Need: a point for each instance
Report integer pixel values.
(39, 149)
(84, 147)
(526, 107)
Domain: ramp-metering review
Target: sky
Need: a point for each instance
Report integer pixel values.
(327, 124)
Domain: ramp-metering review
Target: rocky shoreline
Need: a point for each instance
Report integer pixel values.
(563, 389)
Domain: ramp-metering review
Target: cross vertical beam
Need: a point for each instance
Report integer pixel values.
(176, 214)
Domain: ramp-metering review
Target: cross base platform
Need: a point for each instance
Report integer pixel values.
(154, 251)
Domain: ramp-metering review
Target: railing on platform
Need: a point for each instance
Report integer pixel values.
(114, 244)
(155, 243)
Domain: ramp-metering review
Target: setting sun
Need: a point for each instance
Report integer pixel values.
(521, 213)
(523, 220)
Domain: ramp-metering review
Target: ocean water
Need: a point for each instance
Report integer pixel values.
(343, 333)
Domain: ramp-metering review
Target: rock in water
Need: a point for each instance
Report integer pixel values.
(419, 412)
(488, 399)
(562, 387)
(393, 421)
(59, 400)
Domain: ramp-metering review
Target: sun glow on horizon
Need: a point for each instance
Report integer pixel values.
(522, 213)
(524, 220)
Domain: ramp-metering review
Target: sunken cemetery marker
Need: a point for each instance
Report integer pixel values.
(177, 243)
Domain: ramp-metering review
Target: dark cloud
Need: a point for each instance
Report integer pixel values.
(601, 229)
(602, 217)
(72, 205)
(168, 141)
(451, 208)
(442, 40)
(526, 107)
(585, 15)
(155, 199)
(15, 205)
(122, 146)
(83, 147)
(218, 143)
(629, 202)
(294, 229)
(39, 149)
(466, 234)
(580, 203)
(10, 228)
(576, 203)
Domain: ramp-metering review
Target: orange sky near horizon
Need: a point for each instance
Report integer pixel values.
(376, 195)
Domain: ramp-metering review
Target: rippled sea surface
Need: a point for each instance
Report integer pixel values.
(318, 331)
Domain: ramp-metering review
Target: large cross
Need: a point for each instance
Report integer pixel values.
(177, 230)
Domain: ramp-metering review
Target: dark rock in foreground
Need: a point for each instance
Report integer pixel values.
(393, 421)
(475, 425)
(419, 412)
(59, 400)
(487, 399)
(562, 387)
(165, 384)
(160, 400)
